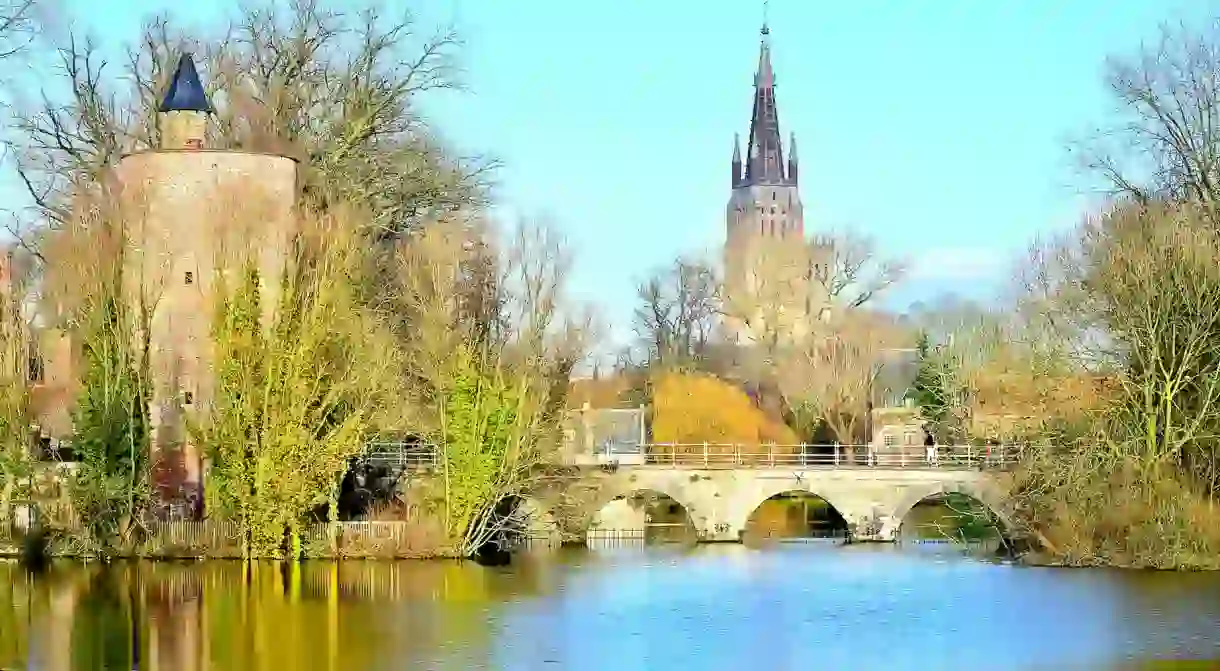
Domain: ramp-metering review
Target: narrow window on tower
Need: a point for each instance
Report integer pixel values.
(35, 367)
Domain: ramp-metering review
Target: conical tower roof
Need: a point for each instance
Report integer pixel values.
(185, 93)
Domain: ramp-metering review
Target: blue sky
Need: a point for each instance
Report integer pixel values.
(938, 127)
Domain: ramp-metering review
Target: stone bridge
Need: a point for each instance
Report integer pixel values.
(720, 486)
(872, 500)
(872, 487)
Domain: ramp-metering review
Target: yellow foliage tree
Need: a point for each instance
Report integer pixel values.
(692, 409)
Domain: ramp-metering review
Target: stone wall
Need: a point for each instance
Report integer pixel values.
(190, 216)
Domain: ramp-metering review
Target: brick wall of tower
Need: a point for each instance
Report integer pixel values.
(768, 261)
(191, 214)
(6, 273)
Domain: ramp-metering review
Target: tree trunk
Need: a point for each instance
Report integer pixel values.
(6, 500)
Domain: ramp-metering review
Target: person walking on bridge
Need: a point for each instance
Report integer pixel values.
(929, 444)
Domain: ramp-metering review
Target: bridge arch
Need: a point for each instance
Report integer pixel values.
(986, 496)
(620, 509)
(798, 510)
(746, 504)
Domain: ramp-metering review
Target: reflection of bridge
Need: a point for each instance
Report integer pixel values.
(720, 486)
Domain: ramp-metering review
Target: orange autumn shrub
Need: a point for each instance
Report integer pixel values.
(692, 409)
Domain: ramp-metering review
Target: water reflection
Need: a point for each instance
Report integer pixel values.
(720, 607)
(791, 516)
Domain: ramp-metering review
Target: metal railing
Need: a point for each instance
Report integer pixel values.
(736, 456)
(709, 455)
(401, 455)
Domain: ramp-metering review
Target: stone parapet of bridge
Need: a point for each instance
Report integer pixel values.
(872, 500)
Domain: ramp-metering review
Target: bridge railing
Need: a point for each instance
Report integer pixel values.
(414, 457)
(710, 455)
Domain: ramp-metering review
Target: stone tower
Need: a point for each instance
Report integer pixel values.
(769, 266)
(12, 338)
(8, 278)
(193, 213)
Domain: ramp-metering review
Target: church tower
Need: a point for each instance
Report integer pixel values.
(768, 272)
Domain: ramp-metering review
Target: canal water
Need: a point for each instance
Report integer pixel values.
(812, 605)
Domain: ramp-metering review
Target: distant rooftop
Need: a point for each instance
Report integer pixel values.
(895, 377)
(185, 93)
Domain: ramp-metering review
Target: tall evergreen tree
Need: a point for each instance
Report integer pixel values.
(930, 390)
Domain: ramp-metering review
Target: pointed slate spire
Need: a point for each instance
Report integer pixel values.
(765, 77)
(185, 92)
(766, 153)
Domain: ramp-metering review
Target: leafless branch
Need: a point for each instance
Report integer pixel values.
(676, 312)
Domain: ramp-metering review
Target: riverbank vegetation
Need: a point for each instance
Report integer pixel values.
(1107, 364)
(1132, 297)
(399, 311)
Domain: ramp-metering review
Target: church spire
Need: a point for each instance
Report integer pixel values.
(765, 154)
(736, 159)
(765, 76)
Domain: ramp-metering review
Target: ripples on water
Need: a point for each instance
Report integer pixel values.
(802, 606)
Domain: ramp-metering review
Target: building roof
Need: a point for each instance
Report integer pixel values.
(895, 377)
(185, 93)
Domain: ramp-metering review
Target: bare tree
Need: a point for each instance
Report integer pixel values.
(339, 90)
(855, 272)
(1128, 447)
(769, 294)
(829, 378)
(487, 386)
(1166, 140)
(676, 313)
(15, 415)
(1158, 292)
(966, 357)
(16, 26)
(789, 291)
